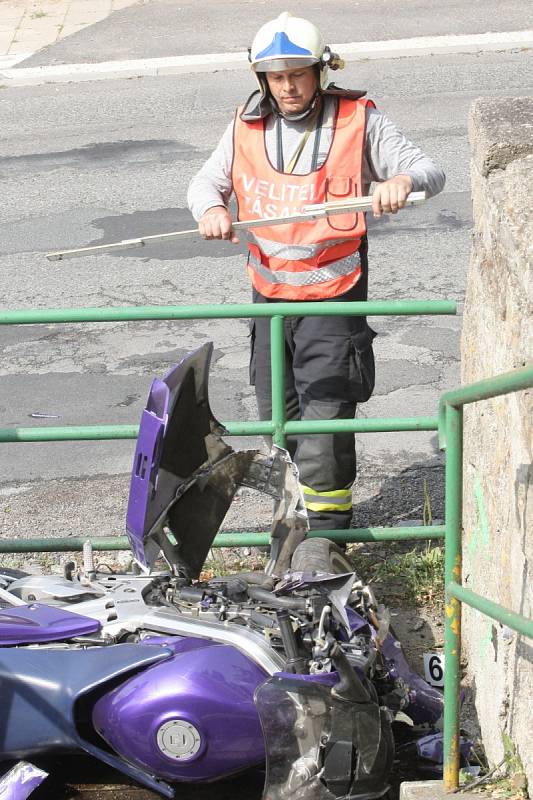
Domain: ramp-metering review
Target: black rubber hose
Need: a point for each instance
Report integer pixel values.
(296, 662)
(270, 599)
(191, 594)
(251, 578)
(257, 579)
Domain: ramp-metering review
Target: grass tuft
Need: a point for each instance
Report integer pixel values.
(415, 577)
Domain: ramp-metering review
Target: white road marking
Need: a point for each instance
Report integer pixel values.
(212, 62)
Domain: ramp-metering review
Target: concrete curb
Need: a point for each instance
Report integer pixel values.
(423, 790)
(6, 62)
(213, 62)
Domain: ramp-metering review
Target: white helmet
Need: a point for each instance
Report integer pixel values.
(288, 43)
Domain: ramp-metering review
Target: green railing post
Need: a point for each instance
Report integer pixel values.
(277, 361)
(452, 571)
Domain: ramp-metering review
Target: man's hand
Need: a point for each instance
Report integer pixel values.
(216, 223)
(391, 195)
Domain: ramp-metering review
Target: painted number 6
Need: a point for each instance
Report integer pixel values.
(434, 668)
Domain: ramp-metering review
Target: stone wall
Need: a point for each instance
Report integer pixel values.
(498, 502)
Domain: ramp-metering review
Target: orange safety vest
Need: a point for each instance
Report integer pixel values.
(309, 260)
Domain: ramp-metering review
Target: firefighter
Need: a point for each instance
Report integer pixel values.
(300, 140)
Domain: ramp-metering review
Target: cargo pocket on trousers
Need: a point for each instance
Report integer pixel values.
(362, 367)
(252, 369)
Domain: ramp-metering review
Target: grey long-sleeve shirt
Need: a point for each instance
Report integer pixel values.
(387, 153)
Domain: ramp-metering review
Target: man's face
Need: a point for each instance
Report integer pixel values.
(293, 89)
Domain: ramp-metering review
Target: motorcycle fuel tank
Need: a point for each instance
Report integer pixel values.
(191, 718)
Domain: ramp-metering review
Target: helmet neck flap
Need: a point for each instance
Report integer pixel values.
(259, 105)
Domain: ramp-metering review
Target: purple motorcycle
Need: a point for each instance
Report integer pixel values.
(167, 678)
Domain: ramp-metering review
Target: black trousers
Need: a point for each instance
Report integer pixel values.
(329, 369)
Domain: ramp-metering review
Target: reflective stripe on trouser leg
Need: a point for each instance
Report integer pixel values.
(335, 500)
(325, 461)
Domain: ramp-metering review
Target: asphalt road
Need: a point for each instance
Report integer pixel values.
(93, 162)
(168, 28)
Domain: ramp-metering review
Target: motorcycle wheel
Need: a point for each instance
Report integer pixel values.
(320, 555)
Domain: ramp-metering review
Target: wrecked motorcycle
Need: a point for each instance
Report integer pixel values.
(169, 678)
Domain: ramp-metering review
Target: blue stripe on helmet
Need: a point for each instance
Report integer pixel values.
(281, 45)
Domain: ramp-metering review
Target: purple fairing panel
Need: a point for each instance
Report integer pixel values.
(210, 687)
(357, 622)
(20, 781)
(426, 703)
(144, 474)
(175, 440)
(431, 747)
(427, 752)
(36, 623)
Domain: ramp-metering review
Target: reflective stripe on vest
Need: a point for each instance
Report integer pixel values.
(345, 266)
(283, 258)
(335, 500)
(290, 252)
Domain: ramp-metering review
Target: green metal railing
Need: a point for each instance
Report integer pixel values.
(451, 439)
(278, 427)
(70, 544)
(449, 424)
